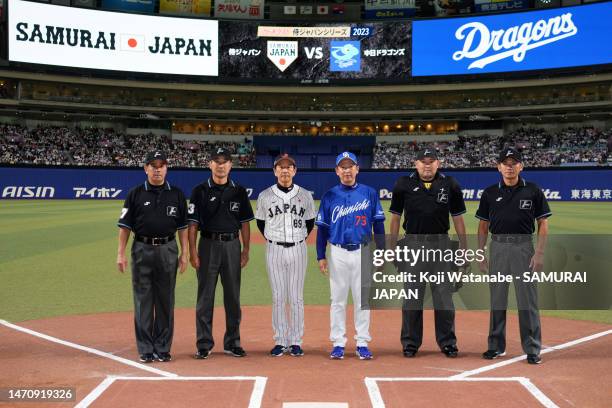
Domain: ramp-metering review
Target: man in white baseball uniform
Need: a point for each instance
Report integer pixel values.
(285, 216)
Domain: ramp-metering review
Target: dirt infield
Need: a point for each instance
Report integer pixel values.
(576, 375)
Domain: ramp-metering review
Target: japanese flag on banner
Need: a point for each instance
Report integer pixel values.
(322, 9)
(131, 42)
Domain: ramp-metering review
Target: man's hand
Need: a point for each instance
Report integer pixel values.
(537, 262)
(122, 263)
(194, 259)
(323, 267)
(244, 257)
(183, 262)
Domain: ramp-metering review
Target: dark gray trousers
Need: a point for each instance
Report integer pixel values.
(218, 258)
(153, 282)
(513, 259)
(444, 310)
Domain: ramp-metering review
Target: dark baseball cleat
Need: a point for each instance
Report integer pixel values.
(493, 354)
(202, 354)
(235, 351)
(534, 359)
(147, 358)
(410, 352)
(450, 351)
(278, 351)
(163, 357)
(296, 351)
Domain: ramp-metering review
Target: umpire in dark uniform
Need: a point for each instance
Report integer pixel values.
(221, 210)
(508, 210)
(426, 198)
(154, 211)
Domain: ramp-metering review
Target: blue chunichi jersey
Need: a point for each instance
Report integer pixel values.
(349, 212)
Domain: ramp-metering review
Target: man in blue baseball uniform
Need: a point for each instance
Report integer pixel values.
(347, 215)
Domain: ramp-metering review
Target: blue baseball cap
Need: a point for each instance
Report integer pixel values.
(346, 155)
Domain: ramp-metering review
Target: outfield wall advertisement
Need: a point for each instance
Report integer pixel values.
(74, 37)
(556, 38)
(69, 183)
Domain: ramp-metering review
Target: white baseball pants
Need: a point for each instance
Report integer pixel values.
(345, 273)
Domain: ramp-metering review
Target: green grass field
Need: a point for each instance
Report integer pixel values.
(58, 258)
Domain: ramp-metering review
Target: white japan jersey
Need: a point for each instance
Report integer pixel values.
(285, 214)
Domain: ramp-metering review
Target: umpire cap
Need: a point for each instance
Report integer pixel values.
(511, 153)
(221, 152)
(156, 155)
(427, 152)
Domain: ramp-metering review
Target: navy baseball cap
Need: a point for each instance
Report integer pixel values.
(221, 152)
(282, 157)
(511, 153)
(346, 155)
(423, 153)
(156, 155)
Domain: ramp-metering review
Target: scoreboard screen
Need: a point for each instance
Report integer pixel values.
(320, 53)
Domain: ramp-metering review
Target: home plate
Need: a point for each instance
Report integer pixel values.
(315, 405)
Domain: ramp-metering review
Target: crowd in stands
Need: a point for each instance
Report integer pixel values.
(587, 146)
(106, 147)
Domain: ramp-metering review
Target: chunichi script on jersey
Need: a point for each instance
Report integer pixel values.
(340, 210)
(516, 41)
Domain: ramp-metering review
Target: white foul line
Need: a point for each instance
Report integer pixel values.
(377, 400)
(254, 402)
(519, 358)
(88, 350)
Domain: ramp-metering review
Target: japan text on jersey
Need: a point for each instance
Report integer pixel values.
(285, 213)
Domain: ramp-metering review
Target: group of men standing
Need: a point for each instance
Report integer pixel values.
(350, 219)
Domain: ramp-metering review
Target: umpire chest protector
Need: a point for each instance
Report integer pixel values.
(426, 210)
(219, 208)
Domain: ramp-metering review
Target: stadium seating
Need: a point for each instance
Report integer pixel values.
(61, 146)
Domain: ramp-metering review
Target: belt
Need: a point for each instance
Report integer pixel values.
(220, 236)
(426, 237)
(155, 241)
(511, 239)
(349, 247)
(286, 244)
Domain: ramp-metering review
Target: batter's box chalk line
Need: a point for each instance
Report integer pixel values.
(377, 400)
(254, 401)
